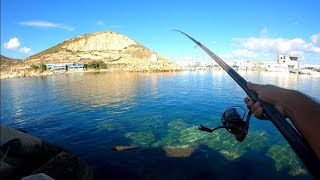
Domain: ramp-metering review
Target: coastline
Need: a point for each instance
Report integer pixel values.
(37, 73)
(24, 74)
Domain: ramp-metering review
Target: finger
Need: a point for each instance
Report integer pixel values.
(246, 100)
(255, 107)
(253, 87)
(259, 113)
(250, 103)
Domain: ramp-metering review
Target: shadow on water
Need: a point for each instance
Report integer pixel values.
(202, 163)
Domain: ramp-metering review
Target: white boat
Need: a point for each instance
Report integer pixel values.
(278, 68)
(315, 72)
(309, 71)
(294, 71)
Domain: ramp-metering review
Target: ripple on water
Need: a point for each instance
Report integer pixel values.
(89, 113)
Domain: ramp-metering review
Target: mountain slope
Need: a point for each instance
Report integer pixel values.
(116, 50)
(5, 61)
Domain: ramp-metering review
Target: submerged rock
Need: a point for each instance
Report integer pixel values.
(123, 148)
(231, 154)
(140, 138)
(179, 151)
(284, 157)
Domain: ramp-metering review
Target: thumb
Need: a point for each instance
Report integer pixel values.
(254, 87)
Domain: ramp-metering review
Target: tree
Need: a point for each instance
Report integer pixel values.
(42, 67)
(96, 65)
(34, 67)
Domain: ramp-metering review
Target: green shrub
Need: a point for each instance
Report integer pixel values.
(96, 65)
(34, 67)
(42, 67)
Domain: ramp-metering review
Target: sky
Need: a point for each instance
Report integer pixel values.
(234, 30)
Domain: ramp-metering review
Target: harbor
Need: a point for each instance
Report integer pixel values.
(282, 64)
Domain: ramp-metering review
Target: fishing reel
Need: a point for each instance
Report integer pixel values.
(233, 123)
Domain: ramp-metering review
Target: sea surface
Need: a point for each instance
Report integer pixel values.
(158, 113)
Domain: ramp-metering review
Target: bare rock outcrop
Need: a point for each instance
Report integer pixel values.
(117, 51)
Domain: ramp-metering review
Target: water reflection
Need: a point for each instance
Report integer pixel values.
(91, 112)
(305, 83)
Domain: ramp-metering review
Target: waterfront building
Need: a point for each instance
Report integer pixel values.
(59, 68)
(76, 67)
(290, 60)
(62, 68)
(284, 63)
(49, 66)
(276, 67)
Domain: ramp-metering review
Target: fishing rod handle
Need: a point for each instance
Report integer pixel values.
(292, 135)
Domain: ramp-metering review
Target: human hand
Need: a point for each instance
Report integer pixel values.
(267, 93)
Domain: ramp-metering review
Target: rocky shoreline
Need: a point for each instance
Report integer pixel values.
(33, 73)
(115, 51)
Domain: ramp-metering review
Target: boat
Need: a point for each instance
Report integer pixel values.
(24, 157)
(278, 68)
(309, 71)
(235, 67)
(294, 71)
(315, 72)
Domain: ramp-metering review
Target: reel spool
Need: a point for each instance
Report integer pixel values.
(233, 123)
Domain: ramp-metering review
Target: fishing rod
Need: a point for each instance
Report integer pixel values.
(293, 137)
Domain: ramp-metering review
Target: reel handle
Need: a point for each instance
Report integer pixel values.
(203, 128)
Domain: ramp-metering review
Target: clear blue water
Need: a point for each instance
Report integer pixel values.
(89, 113)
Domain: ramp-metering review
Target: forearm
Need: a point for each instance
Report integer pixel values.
(304, 114)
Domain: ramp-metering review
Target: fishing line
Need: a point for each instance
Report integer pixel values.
(196, 130)
(4, 156)
(294, 138)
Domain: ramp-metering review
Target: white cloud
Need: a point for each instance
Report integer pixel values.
(25, 50)
(315, 39)
(13, 43)
(279, 45)
(46, 24)
(244, 53)
(100, 23)
(240, 54)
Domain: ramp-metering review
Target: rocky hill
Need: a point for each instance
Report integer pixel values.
(6, 61)
(117, 51)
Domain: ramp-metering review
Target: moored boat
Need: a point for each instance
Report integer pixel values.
(309, 71)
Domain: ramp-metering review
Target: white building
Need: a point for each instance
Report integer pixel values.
(154, 57)
(276, 67)
(290, 60)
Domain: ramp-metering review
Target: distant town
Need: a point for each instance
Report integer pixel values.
(283, 63)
